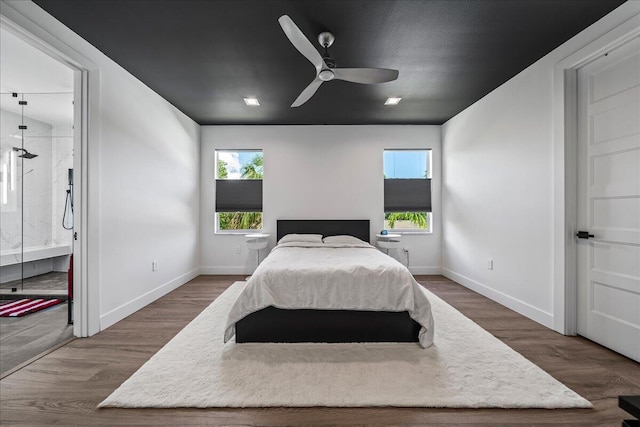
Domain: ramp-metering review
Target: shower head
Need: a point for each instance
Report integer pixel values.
(26, 154)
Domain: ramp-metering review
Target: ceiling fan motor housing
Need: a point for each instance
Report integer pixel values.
(326, 75)
(329, 61)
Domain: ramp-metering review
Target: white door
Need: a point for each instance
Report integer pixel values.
(609, 200)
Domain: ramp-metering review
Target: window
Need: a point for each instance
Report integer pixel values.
(238, 190)
(407, 190)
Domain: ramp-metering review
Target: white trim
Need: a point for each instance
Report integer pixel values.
(565, 170)
(235, 232)
(426, 270)
(20, 19)
(533, 313)
(222, 270)
(408, 232)
(117, 314)
(91, 178)
(81, 310)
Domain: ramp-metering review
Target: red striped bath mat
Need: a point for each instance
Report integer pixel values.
(26, 306)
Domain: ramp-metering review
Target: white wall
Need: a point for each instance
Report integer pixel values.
(149, 195)
(316, 172)
(498, 184)
(143, 179)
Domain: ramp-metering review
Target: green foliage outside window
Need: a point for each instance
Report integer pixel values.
(400, 220)
(241, 220)
(222, 169)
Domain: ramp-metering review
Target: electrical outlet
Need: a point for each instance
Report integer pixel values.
(238, 250)
(490, 264)
(154, 265)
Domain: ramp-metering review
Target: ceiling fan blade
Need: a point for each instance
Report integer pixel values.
(307, 92)
(301, 42)
(365, 75)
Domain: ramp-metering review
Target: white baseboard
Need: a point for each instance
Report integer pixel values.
(427, 271)
(224, 270)
(533, 313)
(131, 307)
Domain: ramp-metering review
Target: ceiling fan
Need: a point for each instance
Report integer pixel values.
(325, 65)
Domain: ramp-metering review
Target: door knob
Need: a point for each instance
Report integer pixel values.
(583, 235)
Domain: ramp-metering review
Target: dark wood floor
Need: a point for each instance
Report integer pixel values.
(65, 386)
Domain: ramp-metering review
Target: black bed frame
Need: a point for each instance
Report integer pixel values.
(280, 325)
(327, 227)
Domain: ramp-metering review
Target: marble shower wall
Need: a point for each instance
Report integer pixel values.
(62, 162)
(45, 183)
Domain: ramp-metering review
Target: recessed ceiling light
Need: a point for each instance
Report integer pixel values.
(392, 101)
(253, 102)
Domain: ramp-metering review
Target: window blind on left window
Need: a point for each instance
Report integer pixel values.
(238, 195)
(407, 195)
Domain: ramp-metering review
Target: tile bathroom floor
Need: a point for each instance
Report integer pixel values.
(23, 338)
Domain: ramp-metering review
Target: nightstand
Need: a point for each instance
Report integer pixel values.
(256, 242)
(388, 241)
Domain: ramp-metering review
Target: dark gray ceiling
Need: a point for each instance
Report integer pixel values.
(204, 56)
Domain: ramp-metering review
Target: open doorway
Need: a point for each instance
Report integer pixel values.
(36, 201)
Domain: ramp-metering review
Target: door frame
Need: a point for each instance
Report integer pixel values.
(85, 144)
(565, 169)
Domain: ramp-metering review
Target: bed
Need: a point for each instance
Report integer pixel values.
(293, 298)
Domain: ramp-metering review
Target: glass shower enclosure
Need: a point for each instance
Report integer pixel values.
(36, 158)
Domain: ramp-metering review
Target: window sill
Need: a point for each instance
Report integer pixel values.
(408, 232)
(237, 232)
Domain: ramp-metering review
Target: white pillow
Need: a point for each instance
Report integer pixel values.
(313, 238)
(342, 239)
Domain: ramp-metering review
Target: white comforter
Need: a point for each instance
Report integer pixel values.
(332, 276)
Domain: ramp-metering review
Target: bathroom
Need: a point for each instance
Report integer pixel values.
(36, 201)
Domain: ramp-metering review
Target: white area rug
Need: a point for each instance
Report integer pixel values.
(466, 368)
